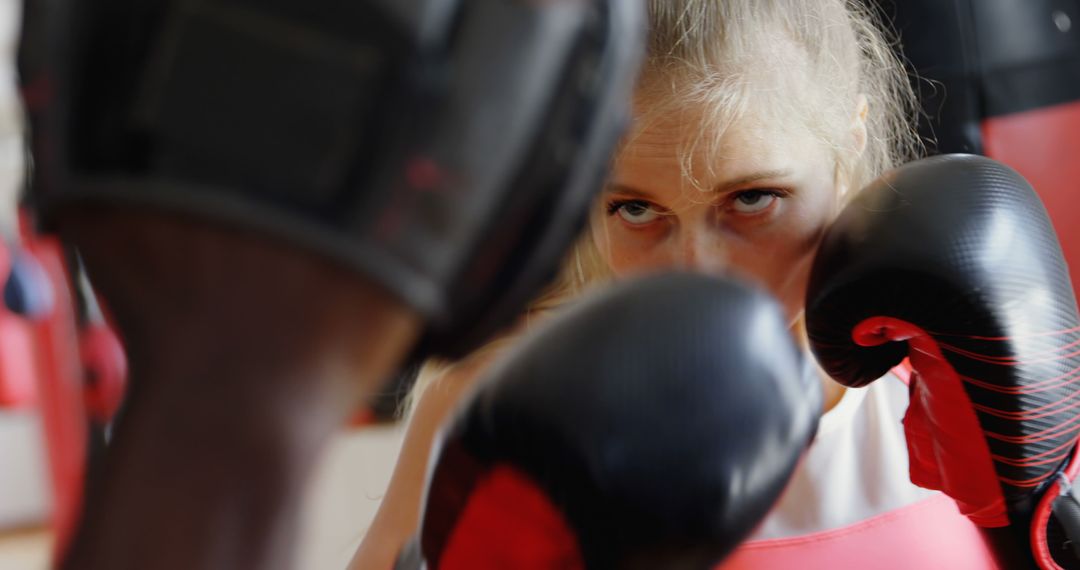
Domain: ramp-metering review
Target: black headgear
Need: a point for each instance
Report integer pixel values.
(447, 149)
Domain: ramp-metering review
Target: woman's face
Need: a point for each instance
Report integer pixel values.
(760, 212)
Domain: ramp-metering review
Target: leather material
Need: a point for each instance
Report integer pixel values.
(662, 420)
(446, 149)
(953, 261)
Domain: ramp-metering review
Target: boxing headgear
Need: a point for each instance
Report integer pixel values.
(446, 149)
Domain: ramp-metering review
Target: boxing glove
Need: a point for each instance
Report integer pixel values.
(952, 263)
(651, 427)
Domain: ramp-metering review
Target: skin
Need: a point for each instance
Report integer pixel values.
(245, 356)
(760, 213)
(399, 511)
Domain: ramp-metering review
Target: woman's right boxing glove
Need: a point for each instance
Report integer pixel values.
(952, 263)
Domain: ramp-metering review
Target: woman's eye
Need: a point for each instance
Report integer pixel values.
(754, 201)
(635, 212)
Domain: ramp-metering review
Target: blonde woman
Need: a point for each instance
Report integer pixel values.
(755, 121)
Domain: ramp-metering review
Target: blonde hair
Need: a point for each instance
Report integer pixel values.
(732, 58)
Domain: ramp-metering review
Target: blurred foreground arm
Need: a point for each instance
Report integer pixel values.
(245, 355)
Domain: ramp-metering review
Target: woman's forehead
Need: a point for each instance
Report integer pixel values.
(685, 141)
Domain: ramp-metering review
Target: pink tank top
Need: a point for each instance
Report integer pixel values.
(926, 535)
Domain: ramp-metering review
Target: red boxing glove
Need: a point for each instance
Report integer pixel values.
(952, 263)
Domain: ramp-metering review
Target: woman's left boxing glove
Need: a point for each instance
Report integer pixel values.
(652, 427)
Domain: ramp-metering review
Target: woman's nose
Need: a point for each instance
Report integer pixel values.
(700, 250)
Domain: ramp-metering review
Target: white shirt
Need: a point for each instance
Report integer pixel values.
(856, 468)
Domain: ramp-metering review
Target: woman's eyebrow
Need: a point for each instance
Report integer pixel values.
(721, 188)
(627, 190)
(729, 185)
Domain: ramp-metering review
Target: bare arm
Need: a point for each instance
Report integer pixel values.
(399, 513)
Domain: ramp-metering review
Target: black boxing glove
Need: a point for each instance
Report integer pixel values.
(952, 263)
(652, 427)
(448, 151)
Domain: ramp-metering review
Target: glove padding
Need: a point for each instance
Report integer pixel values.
(951, 261)
(651, 427)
